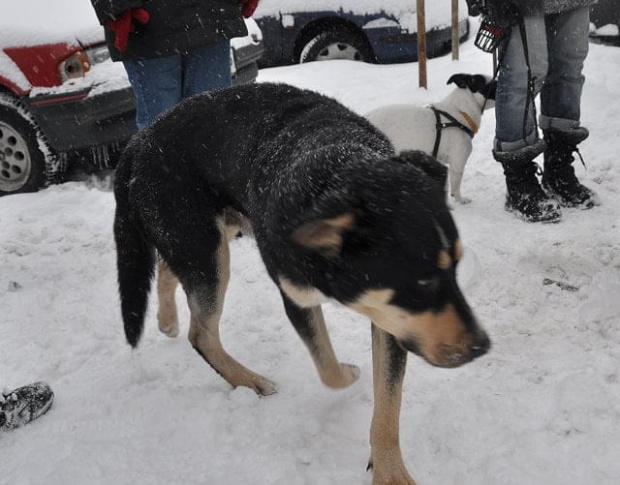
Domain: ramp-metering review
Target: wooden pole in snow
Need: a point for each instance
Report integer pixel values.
(455, 30)
(421, 44)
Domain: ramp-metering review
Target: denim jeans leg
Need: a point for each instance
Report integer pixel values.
(157, 86)
(567, 37)
(206, 68)
(511, 100)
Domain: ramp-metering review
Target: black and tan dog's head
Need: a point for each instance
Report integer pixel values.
(387, 247)
(481, 86)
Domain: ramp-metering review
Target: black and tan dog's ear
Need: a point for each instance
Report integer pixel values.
(325, 234)
(427, 164)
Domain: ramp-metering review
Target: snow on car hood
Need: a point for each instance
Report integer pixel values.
(438, 12)
(35, 22)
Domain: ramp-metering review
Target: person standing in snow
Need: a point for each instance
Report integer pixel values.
(172, 49)
(543, 52)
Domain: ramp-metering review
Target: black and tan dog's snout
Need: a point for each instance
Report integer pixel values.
(449, 337)
(449, 354)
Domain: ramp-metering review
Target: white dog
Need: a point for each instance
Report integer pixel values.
(444, 129)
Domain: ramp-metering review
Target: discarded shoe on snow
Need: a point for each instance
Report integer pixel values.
(24, 404)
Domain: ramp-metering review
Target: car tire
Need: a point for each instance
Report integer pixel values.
(24, 164)
(337, 44)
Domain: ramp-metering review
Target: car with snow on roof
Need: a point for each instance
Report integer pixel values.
(63, 102)
(382, 31)
(605, 22)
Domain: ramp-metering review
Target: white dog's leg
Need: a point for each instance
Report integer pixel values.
(457, 166)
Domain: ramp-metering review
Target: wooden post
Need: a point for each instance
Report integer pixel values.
(455, 30)
(421, 44)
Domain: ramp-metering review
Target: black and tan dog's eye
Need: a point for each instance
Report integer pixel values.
(428, 284)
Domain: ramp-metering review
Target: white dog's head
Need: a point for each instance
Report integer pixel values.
(481, 86)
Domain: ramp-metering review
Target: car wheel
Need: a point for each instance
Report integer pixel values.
(22, 159)
(337, 44)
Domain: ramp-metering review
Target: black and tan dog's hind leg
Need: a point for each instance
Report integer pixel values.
(204, 273)
(167, 283)
(389, 361)
(310, 326)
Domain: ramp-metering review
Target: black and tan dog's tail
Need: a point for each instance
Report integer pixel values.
(135, 260)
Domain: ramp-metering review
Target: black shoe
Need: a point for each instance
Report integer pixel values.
(525, 197)
(559, 179)
(22, 405)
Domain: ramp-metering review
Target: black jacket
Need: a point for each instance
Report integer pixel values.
(175, 26)
(503, 12)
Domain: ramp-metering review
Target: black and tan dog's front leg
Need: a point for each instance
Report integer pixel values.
(310, 326)
(388, 362)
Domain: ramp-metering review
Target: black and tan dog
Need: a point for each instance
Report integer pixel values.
(336, 216)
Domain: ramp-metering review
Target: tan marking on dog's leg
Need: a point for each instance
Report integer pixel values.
(444, 261)
(204, 333)
(167, 282)
(388, 363)
(458, 250)
(332, 373)
(305, 297)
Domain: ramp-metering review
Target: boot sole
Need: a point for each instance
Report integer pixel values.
(550, 219)
(585, 205)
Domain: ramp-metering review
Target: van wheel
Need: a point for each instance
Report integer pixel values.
(337, 44)
(23, 166)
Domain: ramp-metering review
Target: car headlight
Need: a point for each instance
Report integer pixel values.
(74, 66)
(98, 54)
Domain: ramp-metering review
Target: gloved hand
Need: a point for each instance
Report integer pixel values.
(122, 25)
(248, 7)
(473, 8)
(504, 13)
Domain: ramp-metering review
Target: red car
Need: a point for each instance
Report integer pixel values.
(62, 99)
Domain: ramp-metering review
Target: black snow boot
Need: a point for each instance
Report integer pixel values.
(525, 197)
(559, 179)
(22, 405)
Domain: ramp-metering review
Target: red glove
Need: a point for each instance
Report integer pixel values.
(123, 25)
(248, 7)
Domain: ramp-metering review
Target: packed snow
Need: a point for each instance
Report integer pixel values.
(543, 407)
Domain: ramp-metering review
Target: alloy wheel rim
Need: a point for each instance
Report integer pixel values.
(339, 51)
(15, 160)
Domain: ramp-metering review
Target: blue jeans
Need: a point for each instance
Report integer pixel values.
(557, 47)
(159, 84)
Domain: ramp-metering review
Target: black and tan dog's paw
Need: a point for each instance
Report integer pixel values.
(346, 375)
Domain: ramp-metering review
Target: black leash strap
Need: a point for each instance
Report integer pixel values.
(529, 100)
(440, 126)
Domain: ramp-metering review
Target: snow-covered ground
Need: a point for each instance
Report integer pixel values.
(543, 407)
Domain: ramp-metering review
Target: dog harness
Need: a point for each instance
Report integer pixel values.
(452, 123)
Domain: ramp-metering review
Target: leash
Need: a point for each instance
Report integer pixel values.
(471, 130)
(529, 99)
(502, 50)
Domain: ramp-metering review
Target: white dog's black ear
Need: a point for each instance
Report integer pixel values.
(461, 80)
(476, 83)
(427, 164)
